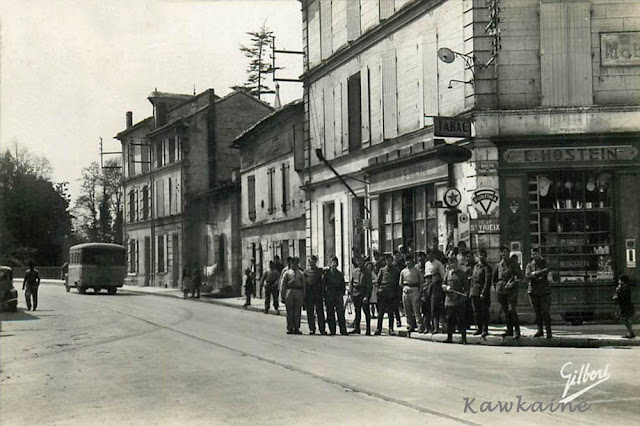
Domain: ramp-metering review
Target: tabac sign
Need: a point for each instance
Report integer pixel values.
(607, 153)
(451, 127)
(620, 49)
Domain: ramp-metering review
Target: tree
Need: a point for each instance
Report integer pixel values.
(35, 222)
(98, 209)
(259, 52)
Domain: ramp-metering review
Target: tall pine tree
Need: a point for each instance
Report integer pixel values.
(259, 52)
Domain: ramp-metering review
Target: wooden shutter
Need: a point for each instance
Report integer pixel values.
(579, 76)
(365, 108)
(325, 29)
(387, 8)
(353, 19)
(137, 205)
(553, 51)
(345, 116)
(389, 93)
(329, 126)
(137, 254)
(430, 75)
(337, 120)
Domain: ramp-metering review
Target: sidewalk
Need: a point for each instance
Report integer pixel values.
(584, 336)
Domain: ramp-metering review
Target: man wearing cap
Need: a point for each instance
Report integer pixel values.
(388, 277)
(506, 278)
(411, 280)
(360, 289)
(314, 296)
(480, 292)
(292, 292)
(334, 288)
(539, 291)
(456, 288)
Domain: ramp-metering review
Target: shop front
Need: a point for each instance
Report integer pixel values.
(578, 201)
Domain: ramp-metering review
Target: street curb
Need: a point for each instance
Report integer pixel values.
(491, 340)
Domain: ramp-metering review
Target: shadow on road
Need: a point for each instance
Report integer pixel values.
(21, 315)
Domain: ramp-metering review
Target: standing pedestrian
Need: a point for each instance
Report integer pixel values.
(373, 300)
(292, 293)
(466, 266)
(187, 283)
(249, 284)
(398, 261)
(455, 286)
(539, 291)
(388, 276)
(506, 278)
(278, 264)
(433, 274)
(412, 281)
(360, 290)
(626, 309)
(334, 289)
(313, 296)
(30, 286)
(271, 289)
(197, 280)
(480, 292)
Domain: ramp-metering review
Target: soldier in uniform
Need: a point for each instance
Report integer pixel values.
(30, 286)
(412, 280)
(506, 277)
(388, 276)
(480, 292)
(314, 296)
(334, 288)
(466, 263)
(456, 288)
(271, 289)
(360, 290)
(433, 276)
(292, 293)
(539, 291)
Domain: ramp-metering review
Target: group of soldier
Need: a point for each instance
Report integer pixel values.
(427, 286)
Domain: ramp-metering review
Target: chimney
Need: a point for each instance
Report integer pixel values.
(129, 119)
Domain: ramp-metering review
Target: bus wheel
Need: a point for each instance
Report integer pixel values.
(82, 290)
(112, 290)
(66, 287)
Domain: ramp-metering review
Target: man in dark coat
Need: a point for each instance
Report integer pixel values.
(398, 262)
(314, 295)
(506, 278)
(388, 277)
(30, 286)
(455, 286)
(360, 290)
(539, 291)
(480, 292)
(334, 289)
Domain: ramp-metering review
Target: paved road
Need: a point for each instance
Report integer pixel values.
(138, 359)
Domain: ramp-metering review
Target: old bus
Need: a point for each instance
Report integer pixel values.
(96, 266)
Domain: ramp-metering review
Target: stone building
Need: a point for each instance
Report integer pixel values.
(180, 211)
(273, 212)
(551, 90)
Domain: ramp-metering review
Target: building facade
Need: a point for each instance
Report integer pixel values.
(178, 169)
(273, 201)
(550, 87)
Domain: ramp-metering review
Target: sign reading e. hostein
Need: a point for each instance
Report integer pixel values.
(620, 49)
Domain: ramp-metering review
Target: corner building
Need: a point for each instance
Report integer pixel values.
(551, 89)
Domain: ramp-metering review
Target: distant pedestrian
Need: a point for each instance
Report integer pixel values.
(387, 280)
(360, 291)
(506, 277)
(249, 285)
(412, 281)
(197, 280)
(456, 289)
(30, 286)
(334, 289)
(292, 293)
(539, 291)
(64, 271)
(626, 309)
(314, 296)
(480, 292)
(187, 282)
(271, 289)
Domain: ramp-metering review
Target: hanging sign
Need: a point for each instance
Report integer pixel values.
(452, 197)
(485, 226)
(485, 201)
(451, 127)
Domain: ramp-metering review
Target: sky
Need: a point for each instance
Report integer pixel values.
(70, 69)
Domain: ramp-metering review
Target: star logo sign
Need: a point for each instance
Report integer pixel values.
(452, 197)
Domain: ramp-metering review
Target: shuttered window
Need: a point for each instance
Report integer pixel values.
(365, 93)
(386, 9)
(325, 28)
(286, 192)
(271, 196)
(389, 96)
(353, 19)
(251, 184)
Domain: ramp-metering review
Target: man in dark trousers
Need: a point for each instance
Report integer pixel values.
(388, 276)
(360, 290)
(271, 290)
(480, 292)
(197, 280)
(539, 291)
(334, 297)
(456, 288)
(292, 293)
(398, 261)
(314, 296)
(506, 277)
(30, 286)
(433, 275)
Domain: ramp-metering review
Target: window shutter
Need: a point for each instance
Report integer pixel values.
(353, 19)
(365, 95)
(337, 120)
(389, 101)
(386, 9)
(329, 126)
(325, 29)
(137, 204)
(553, 54)
(168, 251)
(137, 254)
(345, 116)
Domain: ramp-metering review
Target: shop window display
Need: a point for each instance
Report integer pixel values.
(571, 220)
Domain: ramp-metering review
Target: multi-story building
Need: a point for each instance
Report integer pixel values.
(551, 89)
(178, 172)
(273, 212)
